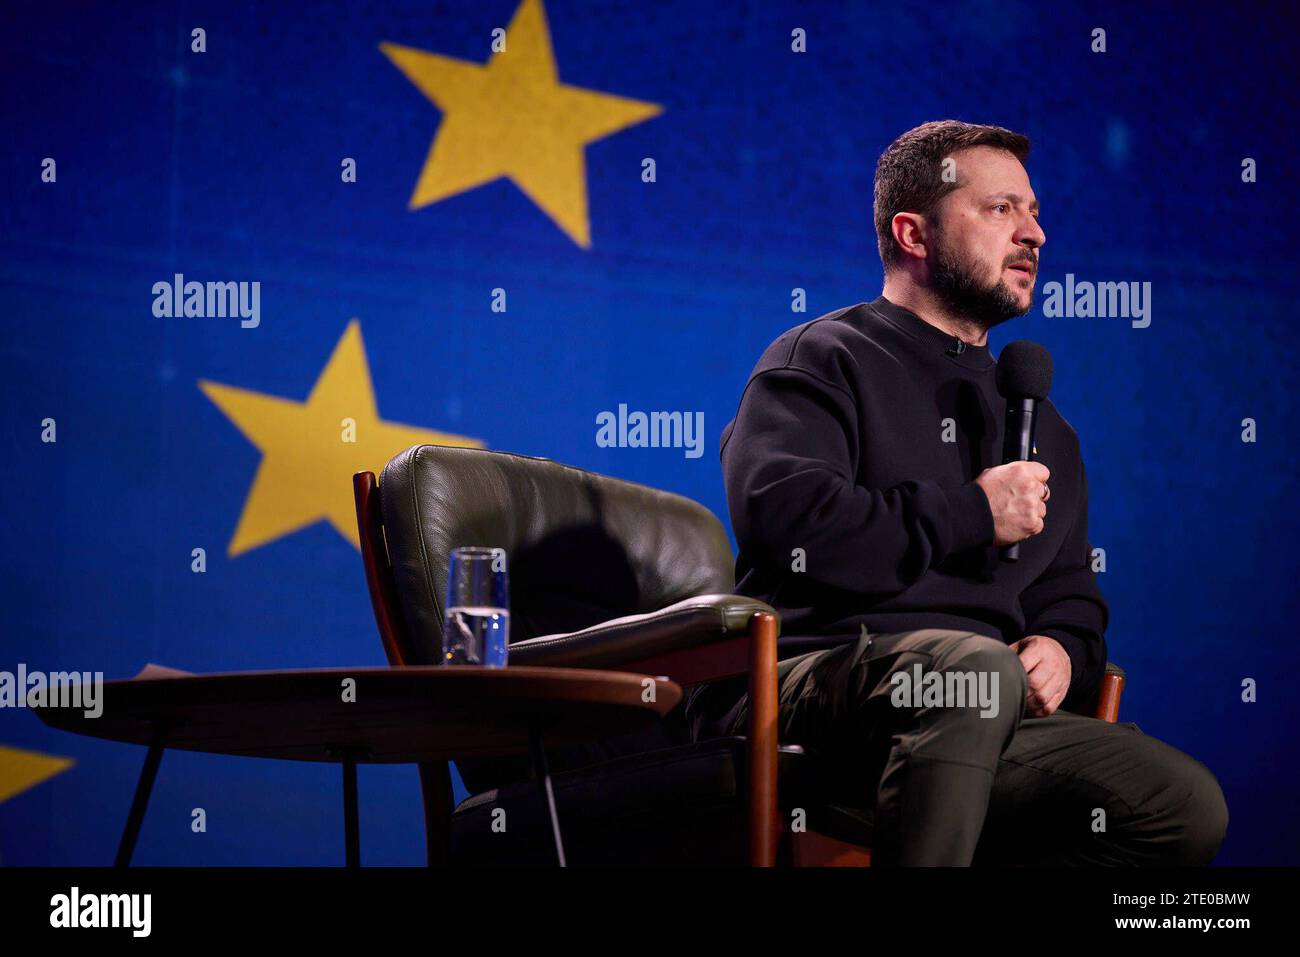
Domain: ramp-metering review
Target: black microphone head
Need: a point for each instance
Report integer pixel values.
(1024, 371)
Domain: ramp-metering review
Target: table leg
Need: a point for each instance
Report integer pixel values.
(351, 828)
(435, 788)
(544, 784)
(143, 788)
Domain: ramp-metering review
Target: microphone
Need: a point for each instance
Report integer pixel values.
(1024, 377)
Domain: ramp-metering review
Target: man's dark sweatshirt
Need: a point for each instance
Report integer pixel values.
(850, 470)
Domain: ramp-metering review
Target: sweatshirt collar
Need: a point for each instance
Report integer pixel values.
(934, 338)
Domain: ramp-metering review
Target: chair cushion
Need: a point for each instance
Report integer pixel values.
(673, 807)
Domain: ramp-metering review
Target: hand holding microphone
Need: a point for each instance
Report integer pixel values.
(1017, 494)
(1017, 490)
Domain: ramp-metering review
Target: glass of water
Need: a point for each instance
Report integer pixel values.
(476, 627)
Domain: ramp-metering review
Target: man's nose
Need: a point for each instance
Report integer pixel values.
(1031, 235)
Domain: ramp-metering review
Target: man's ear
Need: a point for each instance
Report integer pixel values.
(909, 233)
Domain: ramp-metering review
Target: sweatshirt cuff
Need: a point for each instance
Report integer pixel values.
(971, 517)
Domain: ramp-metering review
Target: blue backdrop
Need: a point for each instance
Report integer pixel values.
(174, 434)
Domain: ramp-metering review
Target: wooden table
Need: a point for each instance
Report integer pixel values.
(367, 716)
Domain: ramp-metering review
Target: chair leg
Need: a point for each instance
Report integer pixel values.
(542, 774)
(351, 827)
(764, 816)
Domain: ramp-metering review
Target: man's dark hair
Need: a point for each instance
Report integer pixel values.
(909, 175)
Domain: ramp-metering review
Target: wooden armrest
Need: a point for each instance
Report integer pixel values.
(1106, 704)
(698, 639)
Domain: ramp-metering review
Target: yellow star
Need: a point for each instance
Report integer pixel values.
(513, 118)
(311, 449)
(23, 770)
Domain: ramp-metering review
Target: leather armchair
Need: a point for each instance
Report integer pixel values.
(608, 574)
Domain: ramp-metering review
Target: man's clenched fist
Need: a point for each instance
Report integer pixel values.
(1017, 494)
(1047, 666)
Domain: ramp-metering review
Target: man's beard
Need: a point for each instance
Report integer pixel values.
(956, 283)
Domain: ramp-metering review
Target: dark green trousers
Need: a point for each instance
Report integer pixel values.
(959, 781)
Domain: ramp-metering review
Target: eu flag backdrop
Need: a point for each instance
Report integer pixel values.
(488, 223)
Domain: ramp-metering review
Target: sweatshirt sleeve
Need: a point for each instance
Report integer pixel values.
(787, 461)
(1065, 603)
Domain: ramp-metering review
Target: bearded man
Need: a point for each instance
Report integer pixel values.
(864, 493)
